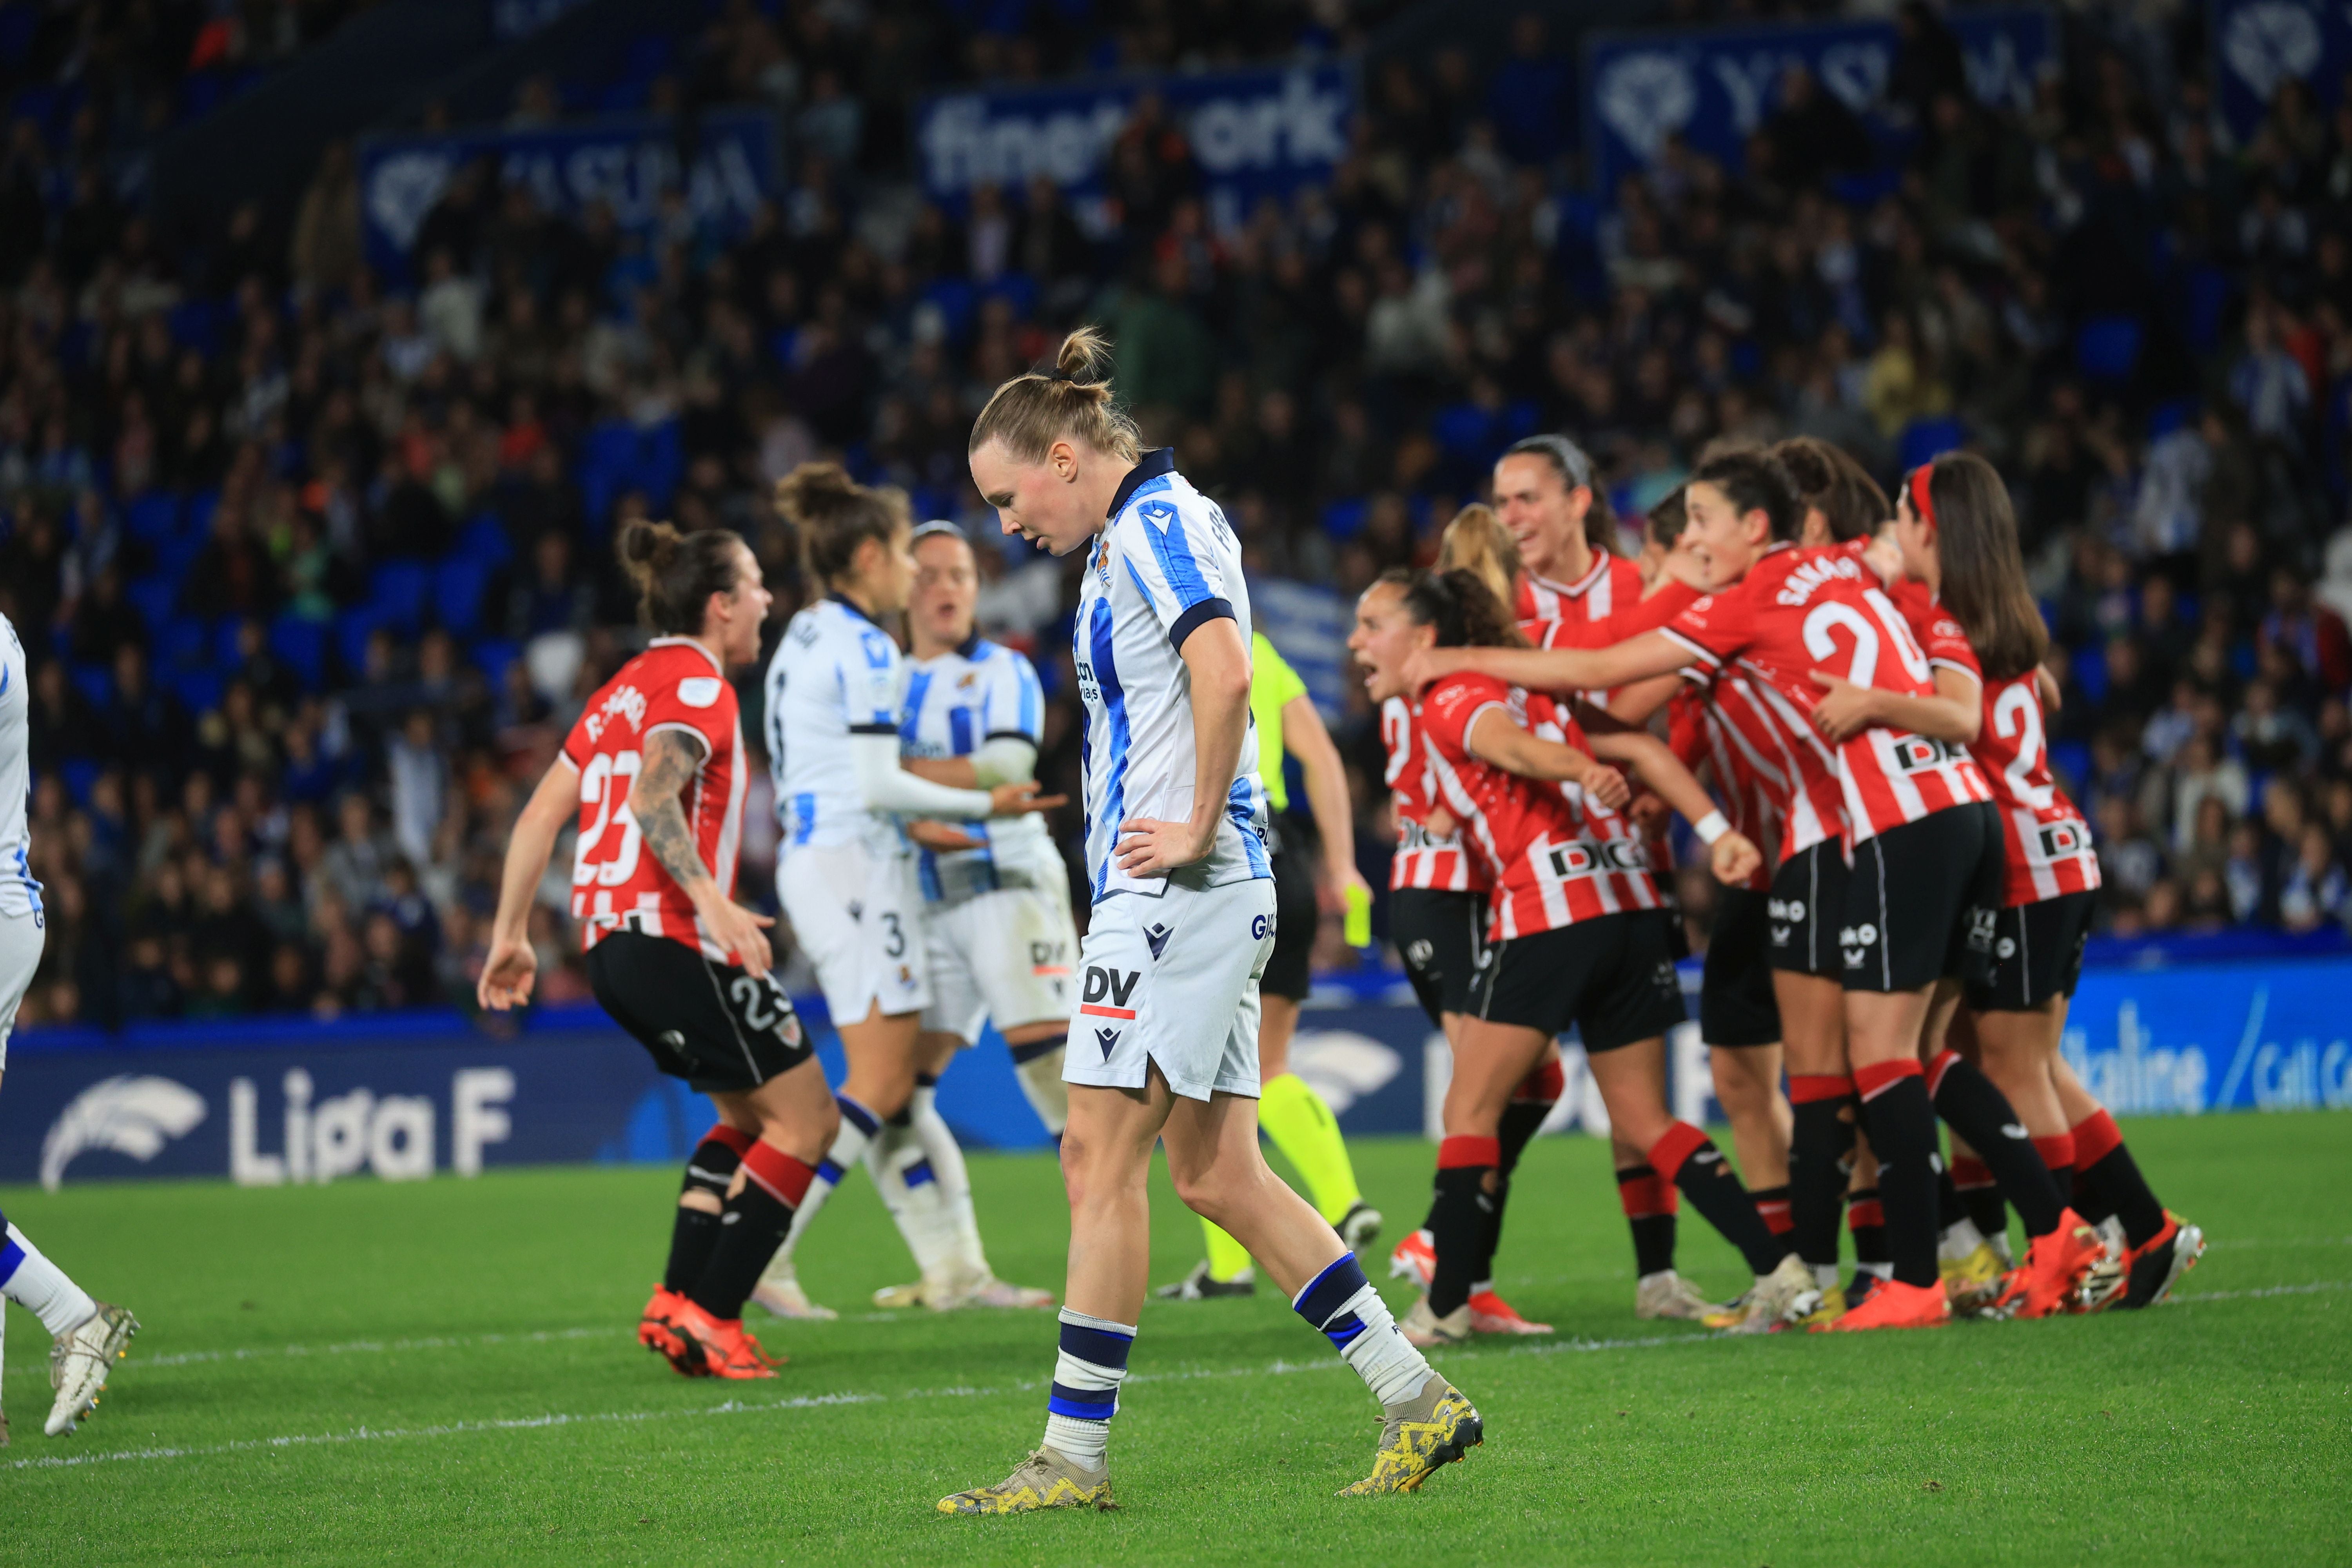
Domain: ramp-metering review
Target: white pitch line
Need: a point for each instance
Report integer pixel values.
(813, 1401)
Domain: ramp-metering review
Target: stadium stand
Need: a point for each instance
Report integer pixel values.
(313, 559)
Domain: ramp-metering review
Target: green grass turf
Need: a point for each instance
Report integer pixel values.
(444, 1373)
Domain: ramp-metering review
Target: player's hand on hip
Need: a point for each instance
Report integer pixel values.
(738, 931)
(1152, 848)
(507, 974)
(1734, 858)
(940, 835)
(1021, 797)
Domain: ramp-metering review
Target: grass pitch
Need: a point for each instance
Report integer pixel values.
(446, 1373)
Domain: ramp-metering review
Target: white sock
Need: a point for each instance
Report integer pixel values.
(858, 1126)
(1959, 1238)
(894, 1157)
(28, 1279)
(1878, 1270)
(1341, 1303)
(1086, 1376)
(950, 1177)
(1041, 1082)
(1825, 1276)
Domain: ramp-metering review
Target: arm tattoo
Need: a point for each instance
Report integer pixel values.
(671, 759)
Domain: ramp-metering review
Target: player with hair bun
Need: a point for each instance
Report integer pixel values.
(655, 772)
(846, 873)
(1165, 1042)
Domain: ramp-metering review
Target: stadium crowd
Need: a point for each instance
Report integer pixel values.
(314, 565)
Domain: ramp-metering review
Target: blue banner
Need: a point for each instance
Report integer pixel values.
(402, 1097)
(1253, 132)
(628, 163)
(2258, 44)
(1714, 89)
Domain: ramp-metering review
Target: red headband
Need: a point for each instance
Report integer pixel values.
(1921, 502)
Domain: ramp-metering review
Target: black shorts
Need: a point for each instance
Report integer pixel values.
(1613, 977)
(1296, 917)
(1736, 1004)
(1439, 935)
(2037, 953)
(710, 1024)
(1921, 901)
(1805, 909)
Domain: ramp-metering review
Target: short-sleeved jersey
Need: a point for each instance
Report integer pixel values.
(1165, 565)
(1273, 685)
(1801, 610)
(20, 895)
(616, 884)
(1423, 859)
(2047, 842)
(833, 675)
(956, 703)
(1555, 855)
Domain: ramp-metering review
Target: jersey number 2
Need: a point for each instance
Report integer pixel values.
(1837, 616)
(605, 784)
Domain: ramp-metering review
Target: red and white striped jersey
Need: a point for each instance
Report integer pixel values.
(1422, 859)
(1719, 721)
(1609, 584)
(675, 684)
(1550, 613)
(1556, 856)
(2048, 844)
(1802, 610)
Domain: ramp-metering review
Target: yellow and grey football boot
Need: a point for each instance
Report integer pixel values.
(1044, 1479)
(1430, 1430)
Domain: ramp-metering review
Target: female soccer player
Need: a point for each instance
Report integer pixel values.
(655, 771)
(836, 696)
(1313, 855)
(1580, 931)
(997, 937)
(1545, 497)
(88, 1336)
(1959, 540)
(1907, 804)
(1181, 927)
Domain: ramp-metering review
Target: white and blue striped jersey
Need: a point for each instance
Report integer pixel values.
(956, 703)
(1166, 563)
(836, 674)
(20, 896)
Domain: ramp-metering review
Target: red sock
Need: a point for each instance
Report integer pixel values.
(783, 1177)
(1877, 1077)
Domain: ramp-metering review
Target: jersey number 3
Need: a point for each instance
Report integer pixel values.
(605, 784)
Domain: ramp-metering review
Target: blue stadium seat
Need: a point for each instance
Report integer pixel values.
(484, 541)
(491, 657)
(302, 643)
(2071, 761)
(196, 325)
(2106, 348)
(79, 773)
(1345, 519)
(196, 522)
(226, 653)
(352, 628)
(1923, 439)
(661, 463)
(457, 586)
(1466, 431)
(183, 643)
(199, 690)
(154, 598)
(2208, 288)
(96, 682)
(608, 456)
(956, 303)
(1018, 289)
(2091, 670)
(2170, 415)
(396, 593)
(153, 517)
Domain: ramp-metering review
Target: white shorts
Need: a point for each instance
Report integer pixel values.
(20, 953)
(1174, 980)
(858, 915)
(1003, 956)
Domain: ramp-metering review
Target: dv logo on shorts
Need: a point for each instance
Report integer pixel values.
(1106, 991)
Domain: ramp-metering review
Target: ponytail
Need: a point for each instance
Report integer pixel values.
(675, 573)
(1074, 402)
